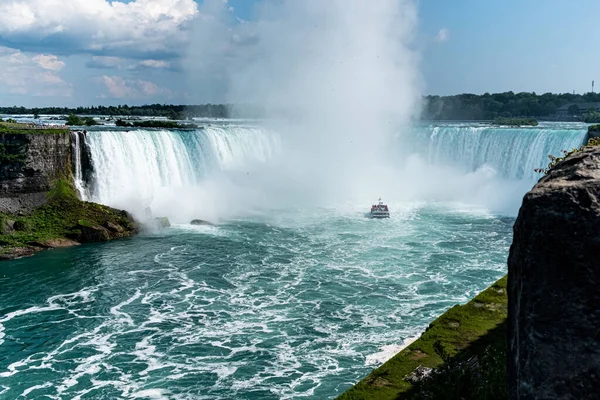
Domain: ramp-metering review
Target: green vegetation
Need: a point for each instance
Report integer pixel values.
(506, 105)
(78, 121)
(179, 112)
(11, 127)
(10, 154)
(477, 328)
(516, 121)
(592, 117)
(594, 128)
(554, 160)
(155, 124)
(62, 218)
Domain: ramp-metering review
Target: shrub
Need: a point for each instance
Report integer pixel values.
(593, 142)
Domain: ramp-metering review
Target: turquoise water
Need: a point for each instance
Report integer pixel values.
(266, 304)
(291, 306)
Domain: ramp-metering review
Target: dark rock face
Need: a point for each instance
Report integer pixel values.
(93, 234)
(199, 222)
(114, 227)
(554, 285)
(29, 164)
(20, 226)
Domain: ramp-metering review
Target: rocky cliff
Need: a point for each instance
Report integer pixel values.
(554, 285)
(29, 165)
(39, 206)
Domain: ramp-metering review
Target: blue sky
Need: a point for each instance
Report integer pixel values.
(134, 52)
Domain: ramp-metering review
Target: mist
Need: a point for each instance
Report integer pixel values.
(339, 83)
(336, 79)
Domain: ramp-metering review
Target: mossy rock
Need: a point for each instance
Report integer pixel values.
(7, 226)
(22, 226)
(63, 217)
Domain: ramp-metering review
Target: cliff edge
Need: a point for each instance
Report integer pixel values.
(30, 162)
(553, 285)
(39, 206)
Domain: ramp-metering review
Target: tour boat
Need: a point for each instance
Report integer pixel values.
(380, 210)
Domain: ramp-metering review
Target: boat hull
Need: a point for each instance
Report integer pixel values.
(380, 215)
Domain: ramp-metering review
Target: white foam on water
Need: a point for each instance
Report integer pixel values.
(154, 394)
(201, 229)
(280, 306)
(26, 392)
(123, 316)
(30, 310)
(387, 352)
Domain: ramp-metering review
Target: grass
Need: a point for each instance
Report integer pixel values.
(463, 331)
(60, 218)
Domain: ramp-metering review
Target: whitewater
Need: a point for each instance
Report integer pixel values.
(278, 299)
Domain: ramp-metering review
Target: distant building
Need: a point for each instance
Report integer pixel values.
(584, 108)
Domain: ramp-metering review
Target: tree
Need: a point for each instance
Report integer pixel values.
(73, 119)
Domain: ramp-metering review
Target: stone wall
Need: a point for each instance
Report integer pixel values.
(29, 164)
(554, 285)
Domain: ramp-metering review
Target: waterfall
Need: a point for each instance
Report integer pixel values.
(209, 172)
(131, 167)
(80, 185)
(513, 152)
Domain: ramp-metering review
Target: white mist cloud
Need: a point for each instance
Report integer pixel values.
(443, 35)
(337, 77)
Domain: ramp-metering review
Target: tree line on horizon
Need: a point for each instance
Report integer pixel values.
(175, 112)
(502, 105)
(457, 107)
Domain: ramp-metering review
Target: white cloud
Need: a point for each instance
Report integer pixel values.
(154, 64)
(35, 75)
(122, 88)
(98, 25)
(443, 35)
(49, 62)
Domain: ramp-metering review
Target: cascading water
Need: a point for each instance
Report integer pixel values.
(514, 153)
(159, 168)
(77, 166)
(130, 168)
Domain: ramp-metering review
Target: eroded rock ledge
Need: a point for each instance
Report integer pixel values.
(554, 285)
(39, 207)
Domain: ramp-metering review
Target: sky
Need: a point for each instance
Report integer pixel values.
(93, 52)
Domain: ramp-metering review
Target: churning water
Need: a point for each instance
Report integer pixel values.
(269, 303)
